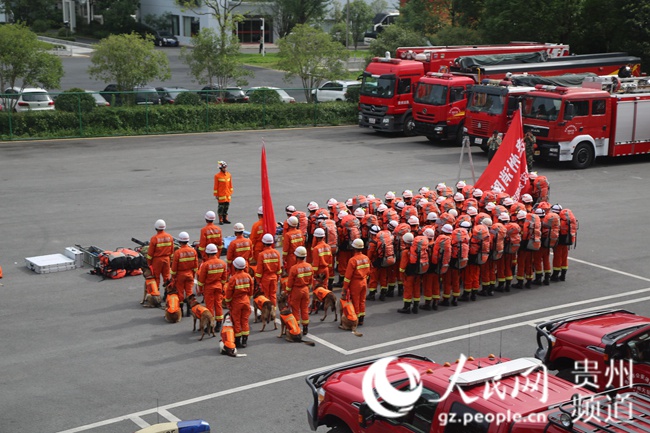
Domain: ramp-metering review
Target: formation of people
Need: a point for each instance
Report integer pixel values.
(432, 248)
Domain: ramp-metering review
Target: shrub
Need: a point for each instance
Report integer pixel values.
(353, 93)
(75, 100)
(187, 98)
(265, 96)
(40, 26)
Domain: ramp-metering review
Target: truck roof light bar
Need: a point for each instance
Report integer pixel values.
(508, 368)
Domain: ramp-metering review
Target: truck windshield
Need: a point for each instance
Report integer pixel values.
(541, 107)
(485, 102)
(382, 87)
(432, 94)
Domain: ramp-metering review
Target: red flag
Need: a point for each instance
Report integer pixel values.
(267, 202)
(508, 170)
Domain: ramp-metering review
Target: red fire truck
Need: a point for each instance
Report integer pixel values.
(387, 86)
(491, 108)
(580, 124)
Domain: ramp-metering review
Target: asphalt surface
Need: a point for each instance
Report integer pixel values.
(80, 354)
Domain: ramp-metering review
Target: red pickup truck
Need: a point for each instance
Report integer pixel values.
(411, 393)
(599, 349)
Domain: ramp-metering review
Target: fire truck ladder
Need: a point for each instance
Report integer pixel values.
(466, 148)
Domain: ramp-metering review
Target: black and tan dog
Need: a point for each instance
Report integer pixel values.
(149, 298)
(263, 305)
(325, 299)
(290, 329)
(349, 318)
(203, 315)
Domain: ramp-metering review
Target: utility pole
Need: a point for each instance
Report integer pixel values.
(347, 23)
(262, 37)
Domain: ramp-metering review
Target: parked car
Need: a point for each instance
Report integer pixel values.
(29, 98)
(229, 95)
(144, 95)
(163, 38)
(333, 90)
(169, 94)
(283, 95)
(99, 99)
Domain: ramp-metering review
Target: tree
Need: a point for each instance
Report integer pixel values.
(360, 18)
(75, 100)
(222, 11)
(129, 61)
(378, 6)
(424, 16)
(118, 14)
(289, 13)
(312, 55)
(212, 62)
(28, 11)
(449, 35)
(159, 22)
(24, 57)
(395, 36)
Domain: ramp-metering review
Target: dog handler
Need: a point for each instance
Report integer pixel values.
(301, 276)
(268, 269)
(211, 279)
(355, 283)
(160, 251)
(184, 266)
(238, 300)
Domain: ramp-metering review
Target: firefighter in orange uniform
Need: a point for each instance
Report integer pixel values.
(301, 277)
(355, 283)
(211, 279)
(184, 267)
(238, 300)
(430, 280)
(322, 260)
(223, 191)
(567, 237)
(159, 253)
(210, 234)
(524, 257)
(257, 231)
(239, 247)
(407, 280)
(292, 239)
(268, 268)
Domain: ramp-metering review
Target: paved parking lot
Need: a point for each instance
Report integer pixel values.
(81, 355)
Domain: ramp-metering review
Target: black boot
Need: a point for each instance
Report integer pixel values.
(445, 302)
(361, 320)
(339, 282)
(371, 295)
(382, 295)
(217, 327)
(563, 275)
(187, 309)
(472, 296)
(330, 284)
(220, 220)
(508, 283)
(406, 309)
(490, 290)
(482, 292)
(225, 219)
(390, 293)
(519, 284)
(501, 287)
(547, 279)
(538, 279)
(400, 289)
(527, 285)
(454, 301)
(244, 340)
(464, 297)
(238, 342)
(416, 305)
(555, 276)
(305, 329)
(427, 305)
(434, 304)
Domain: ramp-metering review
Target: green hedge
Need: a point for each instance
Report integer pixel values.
(109, 121)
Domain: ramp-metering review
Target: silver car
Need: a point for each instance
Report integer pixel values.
(283, 95)
(29, 98)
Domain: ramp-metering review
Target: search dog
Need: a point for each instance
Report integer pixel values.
(206, 319)
(290, 329)
(327, 303)
(263, 305)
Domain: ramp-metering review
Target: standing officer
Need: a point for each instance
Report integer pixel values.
(211, 280)
(322, 260)
(223, 191)
(210, 234)
(159, 253)
(257, 231)
(269, 268)
(239, 247)
(184, 266)
(238, 300)
(292, 239)
(301, 278)
(355, 283)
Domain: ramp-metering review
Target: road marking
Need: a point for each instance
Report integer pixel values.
(168, 415)
(139, 421)
(616, 271)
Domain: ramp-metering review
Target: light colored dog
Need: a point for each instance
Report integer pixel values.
(290, 329)
(263, 305)
(349, 319)
(325, 299)
(203, 316)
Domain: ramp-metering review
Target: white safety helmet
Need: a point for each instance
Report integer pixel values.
(508, 201)
(540, 212)
(461, 184)
(407, 193)
(422, 202)
(390, 195)
(478, 193)
(222, 164)
(239, 263)
(503, 216)
(312, 205)
(319, 233)
(160, 225)
(260, 210)
(413, 220)
(375, 229)
(440, 199)
(532, 175)
(429, 233)
(301, 252)
(183, 237)
(521, 215)
(400, 205)
(359, 212)
(382, 208)
(293, 221)
(290, 209)
(239, 227)
(472, 211)
(408, 238)
(358, 244)
(432, 216)
(423, 189)
(393, 224)
(342, 214)
(268, 239)
(211, 249)
(490, 206)
(447, 228)
(348, 202)
(487, 222)
(453, 212)
(441, 186)
(466, 224)
(527, 198)
(556, 208)
(210, 216)
(331, 202)
(459, 197)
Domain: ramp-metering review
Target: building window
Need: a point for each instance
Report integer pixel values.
(176, 30)
(191, 26)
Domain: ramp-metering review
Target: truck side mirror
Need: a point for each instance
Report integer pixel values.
(366, 415)
(614, 351)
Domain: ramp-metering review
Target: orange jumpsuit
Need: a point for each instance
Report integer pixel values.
(268, 271)
(524, 258)
(301, 277)
(292, 239)
(238, 293)
(161, 248)
(239, 247)
(257, 231)
(184, 267)
(355, 283)
(373, 256)
(440, 258)
(411, 282)
(223, 187)
(210, 234)
(211, 279)
(322, 262)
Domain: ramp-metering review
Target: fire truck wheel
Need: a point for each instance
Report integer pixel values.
(409, 126)
(339, 429)
(433, 139)
(583, 156)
